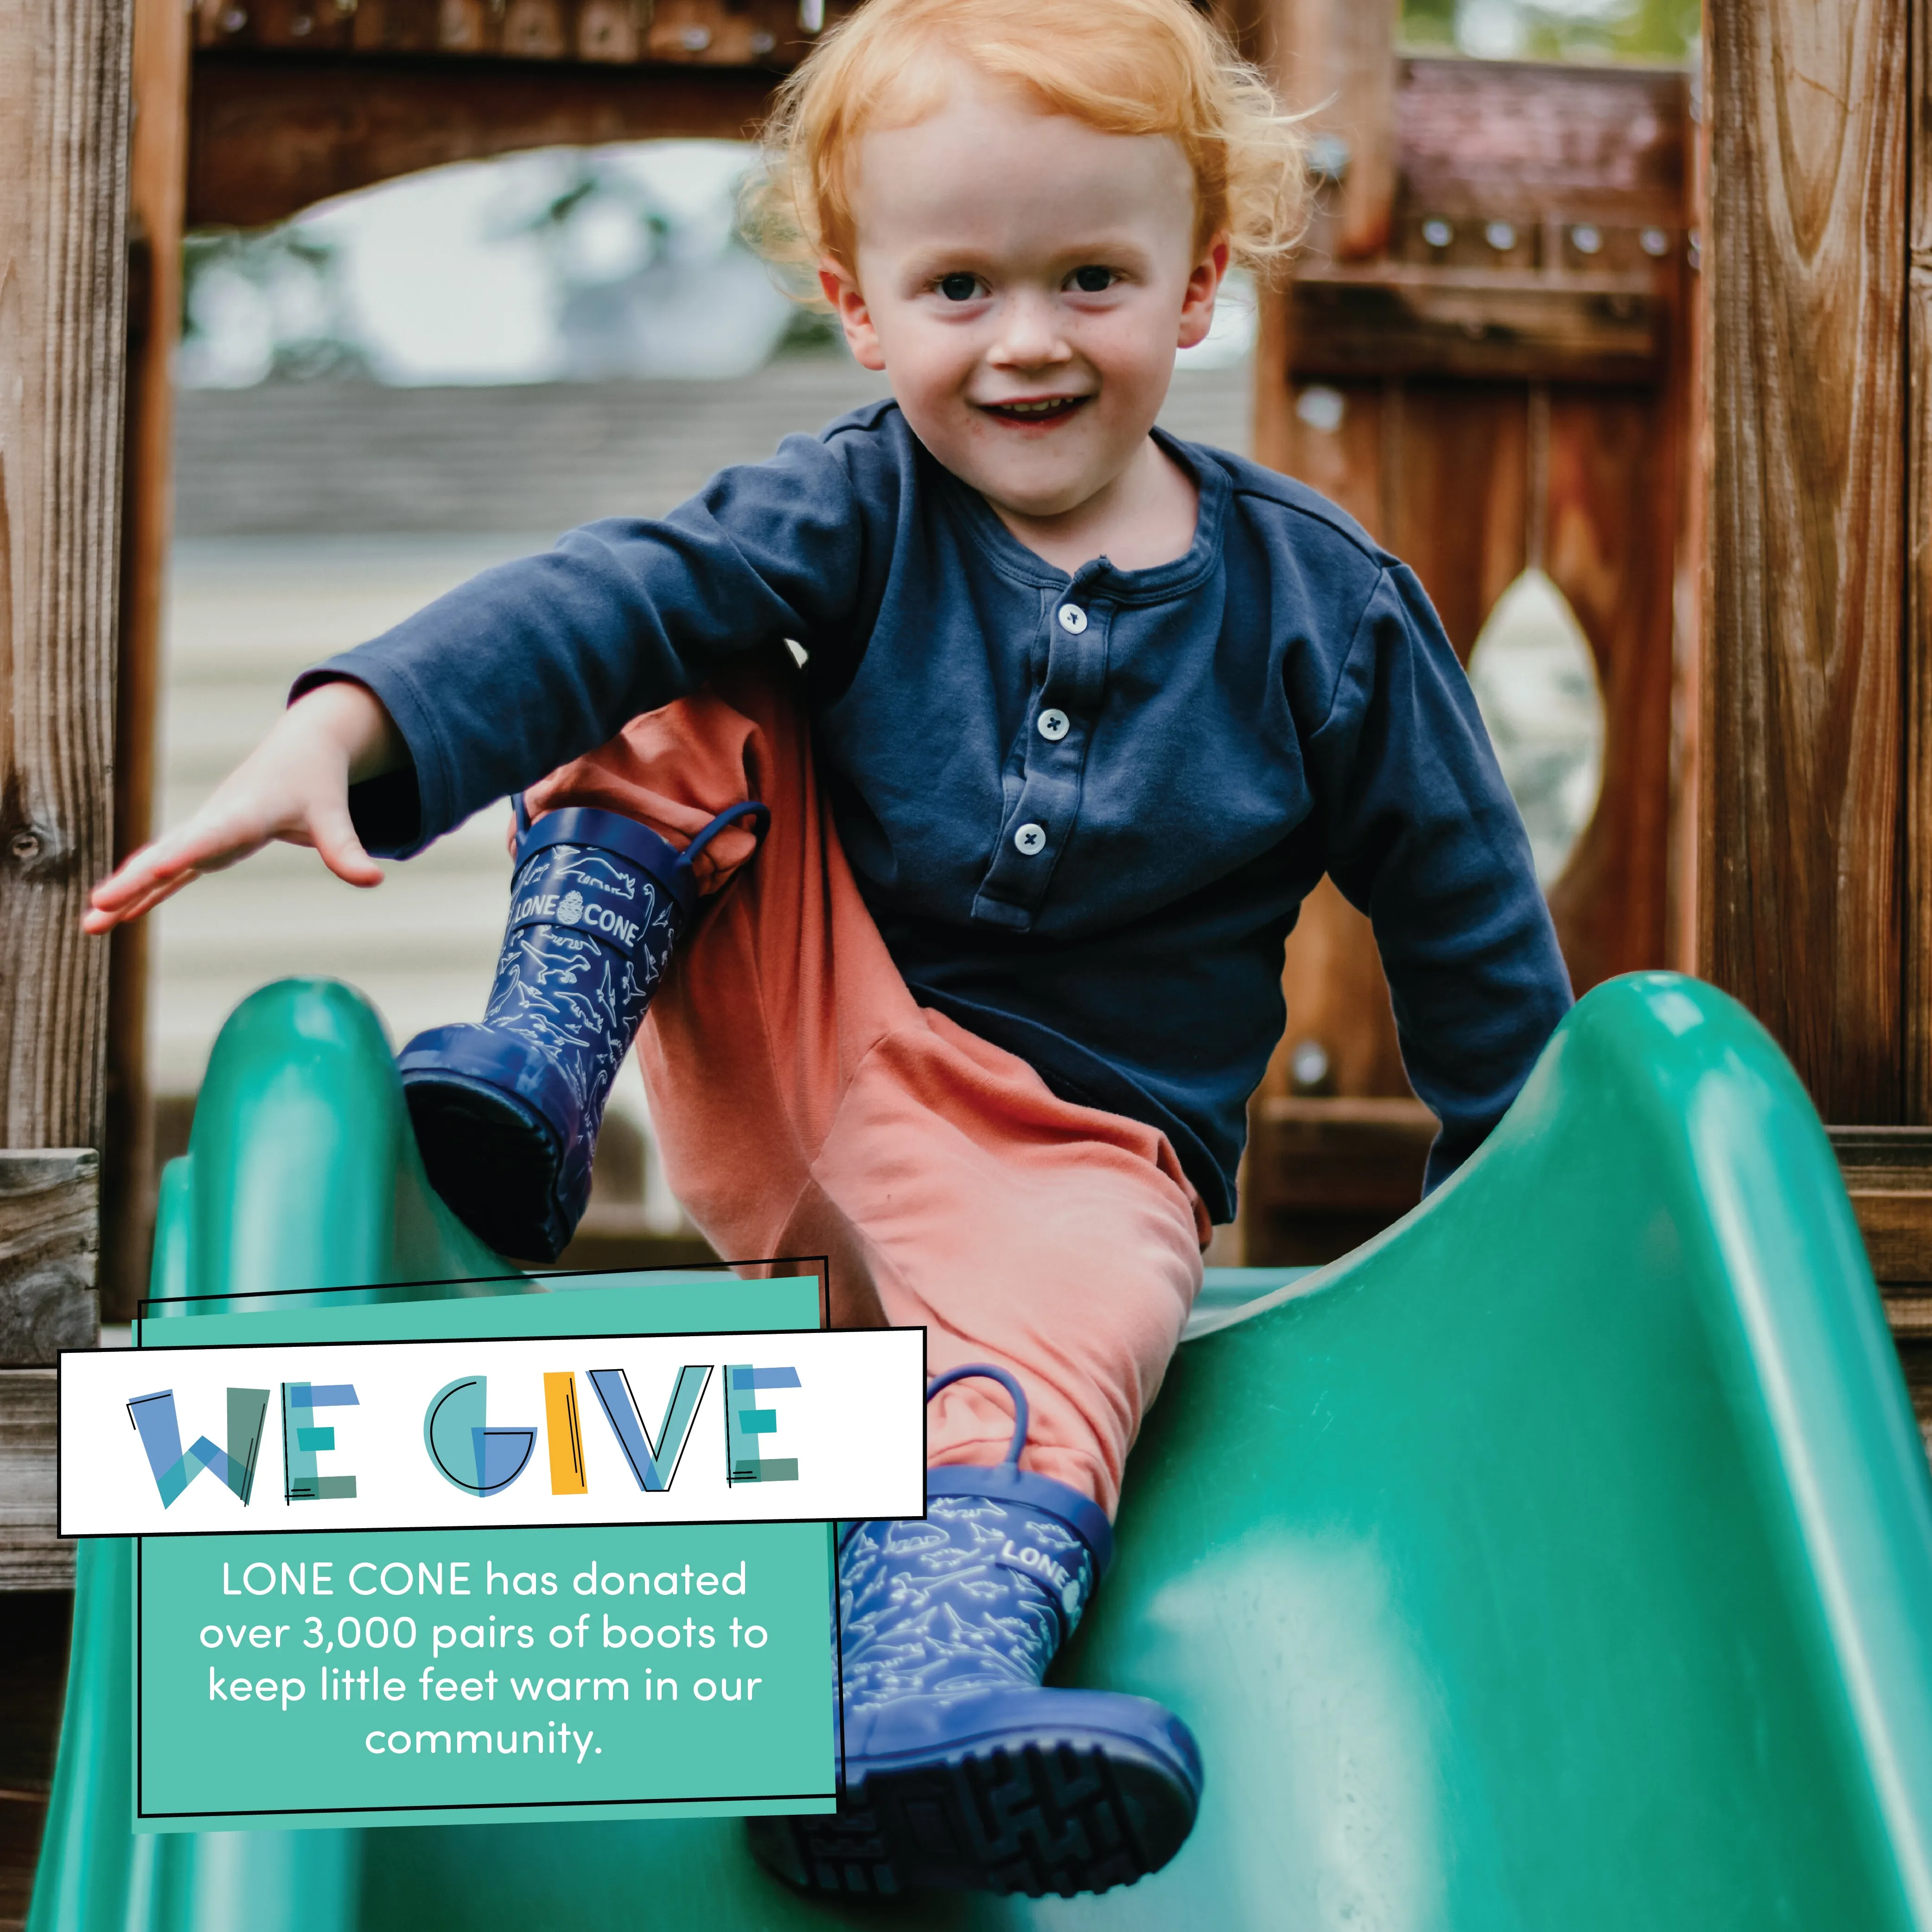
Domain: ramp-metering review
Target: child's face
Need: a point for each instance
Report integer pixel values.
(1025, 280)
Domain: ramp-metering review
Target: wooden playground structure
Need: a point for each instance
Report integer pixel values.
(1666, 339)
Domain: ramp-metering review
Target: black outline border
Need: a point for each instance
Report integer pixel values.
(142, 1814)
(470, 1529)
(823, 1271)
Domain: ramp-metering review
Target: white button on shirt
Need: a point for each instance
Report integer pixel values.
(1072, 619)
(1030, 839)
(1053, 726)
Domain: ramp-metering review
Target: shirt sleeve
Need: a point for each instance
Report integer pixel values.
(1421, 833)
(538, 661)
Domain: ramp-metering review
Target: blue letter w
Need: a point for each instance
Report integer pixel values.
(175, 1468)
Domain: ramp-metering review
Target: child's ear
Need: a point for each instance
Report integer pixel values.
(842, 291)
(1197, 307)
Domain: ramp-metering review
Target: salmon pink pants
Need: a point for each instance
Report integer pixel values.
(806, 1104)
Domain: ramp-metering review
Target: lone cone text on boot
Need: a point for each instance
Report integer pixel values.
(506, 1112)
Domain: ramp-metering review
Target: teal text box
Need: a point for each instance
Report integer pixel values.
(459, 1676)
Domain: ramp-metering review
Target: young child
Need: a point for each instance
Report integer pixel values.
(1085, 713)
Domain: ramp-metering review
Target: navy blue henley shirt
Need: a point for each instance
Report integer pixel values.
(1085, 811)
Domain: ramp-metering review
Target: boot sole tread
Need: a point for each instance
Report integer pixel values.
(1064, 1816)
(493, 1163)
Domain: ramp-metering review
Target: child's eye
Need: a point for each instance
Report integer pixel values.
(959, 287)
(1093, 281)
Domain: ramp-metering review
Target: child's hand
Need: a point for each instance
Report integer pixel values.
(293, 786)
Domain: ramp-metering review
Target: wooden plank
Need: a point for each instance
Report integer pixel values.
(1403, 318)
(1909, 1316)
(50, 1235)
(1884, 1157)
(1342, 1154)
(767, 33)
(1611, 519)
(63, 131)
(1333, 439)
(31, 1557)
(1887, 1173)
(1458, 464)
(271, 136)
(158, 174)
(1915, 1358)
(1325, 1175)
(1799, 876)
(1274, 436)
(1915, 1099)
(1897, 1229)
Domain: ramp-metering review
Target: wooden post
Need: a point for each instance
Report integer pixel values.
(1915, 1108)
(1688, 588)
(63, 150)
(50, 1228)
(157, 182)
(1334, 61)
(1802, 786)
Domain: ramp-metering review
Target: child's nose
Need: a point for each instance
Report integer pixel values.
(1029, 333)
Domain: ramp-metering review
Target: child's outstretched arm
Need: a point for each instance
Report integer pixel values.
(534, 663)
(294, 786)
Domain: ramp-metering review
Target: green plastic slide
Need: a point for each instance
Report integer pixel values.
(1560, 1560)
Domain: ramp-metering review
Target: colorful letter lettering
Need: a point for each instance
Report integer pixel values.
(566, 1436)
(175, 1468)
(745, 1422)
(654, 1464)
(474, 1457)
(303, 1439)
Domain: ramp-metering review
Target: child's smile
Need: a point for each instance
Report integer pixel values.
(1026, 280)
(1037, 412)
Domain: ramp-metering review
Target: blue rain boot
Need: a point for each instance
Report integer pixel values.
(506, 1113)
(961, 1769)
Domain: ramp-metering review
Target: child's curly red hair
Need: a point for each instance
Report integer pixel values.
(1125, 67)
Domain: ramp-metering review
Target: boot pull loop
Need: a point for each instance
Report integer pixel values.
(759, 815)
(523, 814)
(1022, 1415)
